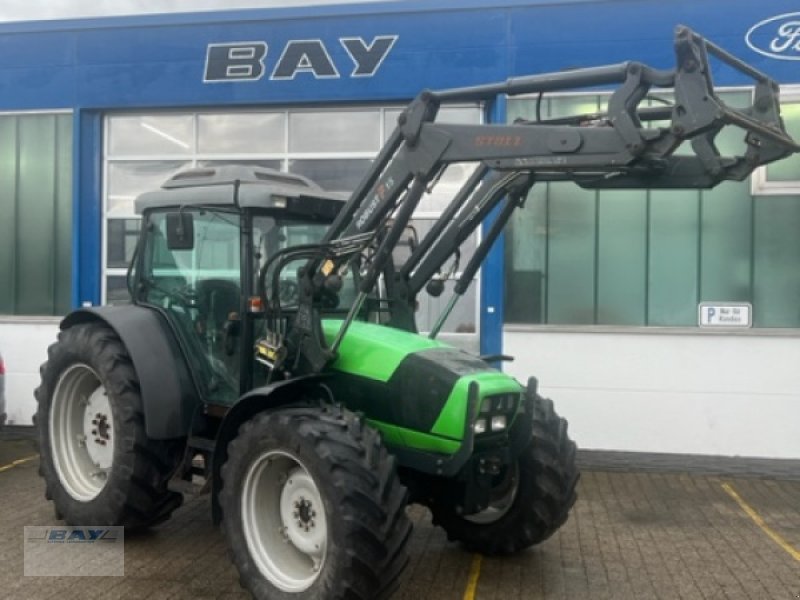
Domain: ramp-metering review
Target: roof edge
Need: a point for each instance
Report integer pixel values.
(271, 14)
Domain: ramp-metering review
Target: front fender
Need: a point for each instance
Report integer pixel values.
(280, 393)
(169, 396)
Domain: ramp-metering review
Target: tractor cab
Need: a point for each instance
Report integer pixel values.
(207, 235)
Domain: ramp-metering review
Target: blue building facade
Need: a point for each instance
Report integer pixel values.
(90, 75)
(90, 67)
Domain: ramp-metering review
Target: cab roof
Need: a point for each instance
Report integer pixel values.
(259, 187)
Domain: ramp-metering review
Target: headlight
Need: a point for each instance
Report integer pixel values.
(499, 422)
(496, 413)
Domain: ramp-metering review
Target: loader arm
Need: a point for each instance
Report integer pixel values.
(624, 147)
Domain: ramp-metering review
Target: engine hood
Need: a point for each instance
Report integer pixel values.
(403, 379)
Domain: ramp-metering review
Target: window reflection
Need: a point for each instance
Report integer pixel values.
(334, 131)
(242, 133)
(150, 134)
(333, 175)
(121, 238)
(648, 257)
(128, 179)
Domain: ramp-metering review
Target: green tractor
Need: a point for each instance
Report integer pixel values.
(270, 354)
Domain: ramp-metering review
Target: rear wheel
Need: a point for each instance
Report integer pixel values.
(98, 465)
(312, 507)
(530, 500)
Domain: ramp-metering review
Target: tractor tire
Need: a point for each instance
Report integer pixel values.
(312, 507)
(531, 501)
(98, 465)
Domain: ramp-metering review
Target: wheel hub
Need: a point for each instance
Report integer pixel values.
(304, 513)
(98, 429)
(284, 522)
(299, 513)
(502, 498)
(81, 432)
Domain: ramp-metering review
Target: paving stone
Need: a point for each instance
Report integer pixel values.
(634, 533)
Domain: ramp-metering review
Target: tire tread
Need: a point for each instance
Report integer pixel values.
(141, 498)
(370, 498)
(549, 463)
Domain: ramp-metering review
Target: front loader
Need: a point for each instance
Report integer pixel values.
(270, 354)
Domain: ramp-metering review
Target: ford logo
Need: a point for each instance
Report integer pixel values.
(776, 37)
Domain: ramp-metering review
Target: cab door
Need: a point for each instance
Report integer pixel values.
(197, 284)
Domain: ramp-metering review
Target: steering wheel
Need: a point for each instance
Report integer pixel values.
(184, 296)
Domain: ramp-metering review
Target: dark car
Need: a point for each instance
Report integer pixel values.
(2, 392)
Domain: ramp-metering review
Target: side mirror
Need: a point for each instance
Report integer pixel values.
(180, 230)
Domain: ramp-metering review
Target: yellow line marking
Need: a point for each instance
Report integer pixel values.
(19, 461)
(760, 522)
(474, 575)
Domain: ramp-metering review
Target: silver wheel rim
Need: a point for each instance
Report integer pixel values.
(284, 521)
(502, 499)
(81, 432)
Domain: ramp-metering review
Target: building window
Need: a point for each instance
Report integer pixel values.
(36, 214)
(332, 147)
(783, 177)
(649, 257)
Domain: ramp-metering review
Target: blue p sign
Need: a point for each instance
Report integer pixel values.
(711, 313)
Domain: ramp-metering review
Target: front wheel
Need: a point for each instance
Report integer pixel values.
(530, 500)
(312, 507)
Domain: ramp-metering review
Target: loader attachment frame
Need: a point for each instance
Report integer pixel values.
(615, 149)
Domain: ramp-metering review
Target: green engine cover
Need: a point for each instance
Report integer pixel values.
(413, 389)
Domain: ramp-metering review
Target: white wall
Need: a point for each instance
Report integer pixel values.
(678, 392)
(24, 346)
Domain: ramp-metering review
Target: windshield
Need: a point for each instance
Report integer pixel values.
(271, 235)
